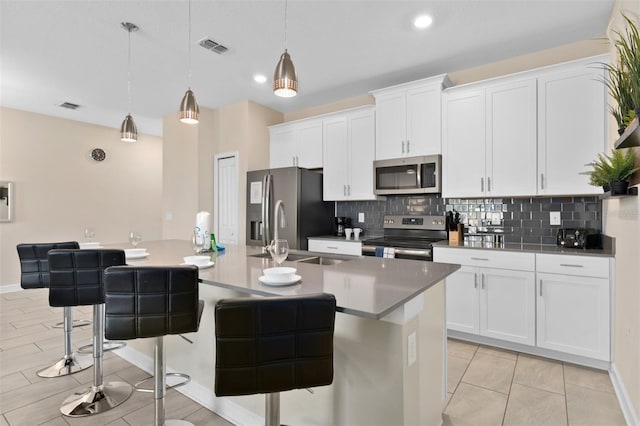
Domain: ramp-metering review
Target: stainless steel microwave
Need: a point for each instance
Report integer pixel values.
(409, 175)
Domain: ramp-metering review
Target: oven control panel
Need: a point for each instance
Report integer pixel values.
(435, 223)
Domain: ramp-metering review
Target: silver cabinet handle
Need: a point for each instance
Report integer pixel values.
(482, 280)
(349, 190)
(475, 280)
(408, 149)
(571, 266)
(332, 247)
(481, 184)
(479, 258)
(488, 184)
(344, 190)
(403, 147)
(540, 288)
(541, 180)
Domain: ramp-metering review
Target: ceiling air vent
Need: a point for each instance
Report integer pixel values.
(214, 46)
(69, 105)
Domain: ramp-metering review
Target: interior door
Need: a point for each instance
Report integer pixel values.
(226, 205)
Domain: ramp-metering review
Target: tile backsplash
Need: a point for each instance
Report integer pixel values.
(523, 220)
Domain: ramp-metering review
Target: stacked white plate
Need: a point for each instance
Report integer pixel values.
(279, 276)
(201, 262)
(90, 245)
(136, 253)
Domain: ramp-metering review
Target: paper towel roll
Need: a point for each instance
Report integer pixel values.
(203, 228)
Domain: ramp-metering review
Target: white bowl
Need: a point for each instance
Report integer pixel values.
(280, 274)
(197, 260)
(135, 251)
(90, 245)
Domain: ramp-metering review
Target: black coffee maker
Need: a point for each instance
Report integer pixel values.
(342, 222)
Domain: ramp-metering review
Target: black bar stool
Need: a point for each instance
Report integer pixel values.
(34, 273)
(76, 279)
(273, 344)
(153, 302)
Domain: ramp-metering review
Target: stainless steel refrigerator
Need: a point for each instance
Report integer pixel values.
(301, 192)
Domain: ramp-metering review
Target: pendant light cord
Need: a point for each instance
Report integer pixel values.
(129, 72)
(285, 25)
(189, 44)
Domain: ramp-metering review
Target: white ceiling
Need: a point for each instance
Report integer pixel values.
(55, 51)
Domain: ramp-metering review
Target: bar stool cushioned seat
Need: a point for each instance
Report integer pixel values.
(76, 279)
(34, 273)
(273, 344)
(153, 302)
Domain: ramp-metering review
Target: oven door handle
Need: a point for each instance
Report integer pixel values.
(400, 251)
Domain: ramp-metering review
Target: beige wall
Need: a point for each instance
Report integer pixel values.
(622, 221)
(189, 160)
(60, 190)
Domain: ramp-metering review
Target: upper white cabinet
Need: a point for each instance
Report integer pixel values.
(296, 143)
(572, 126)
(349, 149)
(527, 134)
(408, 118)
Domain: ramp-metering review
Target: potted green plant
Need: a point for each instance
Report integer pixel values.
(613, 171)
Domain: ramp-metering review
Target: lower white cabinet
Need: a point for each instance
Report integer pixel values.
(492, 302)
(573, 311)
(352, 248)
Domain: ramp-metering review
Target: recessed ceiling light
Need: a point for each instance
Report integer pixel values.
(259, 78)
(422, 21)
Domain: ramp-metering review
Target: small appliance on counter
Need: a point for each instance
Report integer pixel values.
(581, 238)
(342, 222)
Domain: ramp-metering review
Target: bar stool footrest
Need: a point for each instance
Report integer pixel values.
(76, 323)
(96, 400)
(138, 386)
(106, 347)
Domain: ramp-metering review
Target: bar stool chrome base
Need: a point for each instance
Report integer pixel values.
(96, 400)
(106, 347)
(76, 323)
(68, 365)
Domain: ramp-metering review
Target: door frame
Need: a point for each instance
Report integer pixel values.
(216, 193)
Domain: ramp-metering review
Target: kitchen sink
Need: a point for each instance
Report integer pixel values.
(305, 258)
(321, 260)
(292, 257)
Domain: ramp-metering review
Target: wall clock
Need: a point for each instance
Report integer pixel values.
(98, 154)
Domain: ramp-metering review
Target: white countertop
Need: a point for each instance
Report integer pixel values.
(369, 287)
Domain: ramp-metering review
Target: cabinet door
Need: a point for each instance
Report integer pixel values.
(336, 163)
(507, 305)
(511, 139)
(423, 121)
(390, 125)
(361, 153)
(462, 300)
(572, 116)
(309, 144)
(282, 148)
(463, 143)
(573, 314)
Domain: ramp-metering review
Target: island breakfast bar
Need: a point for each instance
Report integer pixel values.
(389, 344)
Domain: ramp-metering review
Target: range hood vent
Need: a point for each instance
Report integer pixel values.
(69, 105)
(630, 137)
(212, 45)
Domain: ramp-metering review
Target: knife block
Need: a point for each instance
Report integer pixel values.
(457, 236)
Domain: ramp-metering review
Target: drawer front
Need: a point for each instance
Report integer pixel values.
(486, 258)
(353, 248)
(585, 266)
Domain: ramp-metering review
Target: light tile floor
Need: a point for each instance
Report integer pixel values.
(489, 386)
(486, 386)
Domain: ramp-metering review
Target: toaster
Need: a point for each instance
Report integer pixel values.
(582, 238)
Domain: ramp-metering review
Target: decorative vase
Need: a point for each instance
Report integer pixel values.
(619, 188)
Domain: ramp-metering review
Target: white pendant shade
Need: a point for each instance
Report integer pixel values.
(189, 110)
(128, 130)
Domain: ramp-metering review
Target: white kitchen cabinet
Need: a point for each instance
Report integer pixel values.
(573, 307)
(349, 149)
(296, 143)
(491, 301)
(408, 118)
(351, 248)
(489, 140)
(572, 126)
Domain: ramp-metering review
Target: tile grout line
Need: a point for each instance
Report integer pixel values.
(566, 404)
(513, 375)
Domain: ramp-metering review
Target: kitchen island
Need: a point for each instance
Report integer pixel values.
(389, 344)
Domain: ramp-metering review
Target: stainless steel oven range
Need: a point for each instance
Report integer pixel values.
(411, 237)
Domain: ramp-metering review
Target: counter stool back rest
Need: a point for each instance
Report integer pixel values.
(273, 344)
(34, 265)
(77, 279)
(153, 302)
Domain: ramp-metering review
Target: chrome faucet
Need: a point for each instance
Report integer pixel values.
(279, 208)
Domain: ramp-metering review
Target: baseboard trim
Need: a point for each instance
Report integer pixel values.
(225, 408)
(626, 405)
(10, 288)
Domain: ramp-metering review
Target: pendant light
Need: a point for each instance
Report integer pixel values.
(128, 130)
(189, 111)
(285, 81)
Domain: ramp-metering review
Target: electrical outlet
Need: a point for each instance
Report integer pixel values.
(360, 217)
(412, 354)
(554, 218)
